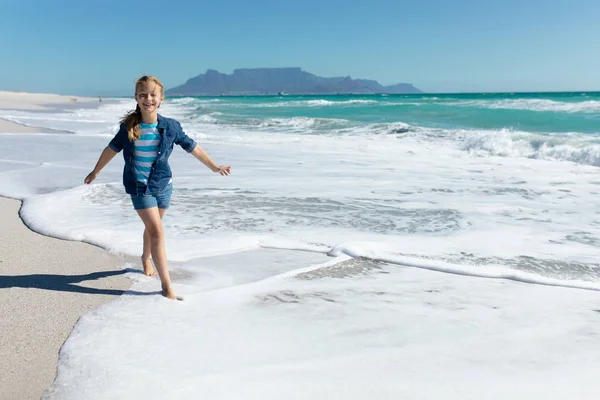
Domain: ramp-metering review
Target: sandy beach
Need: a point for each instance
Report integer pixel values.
(12, 127)
(46, 284)
(37, 101)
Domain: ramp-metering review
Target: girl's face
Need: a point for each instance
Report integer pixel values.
(149, 97)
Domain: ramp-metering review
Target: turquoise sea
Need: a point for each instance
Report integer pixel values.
(527, 112)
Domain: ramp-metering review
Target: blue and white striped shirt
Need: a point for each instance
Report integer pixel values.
(146, 151)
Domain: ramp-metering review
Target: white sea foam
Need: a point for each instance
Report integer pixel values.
(579, 149)
(590, 106)
(207, 118)
(186, 100)
(313, 103)
(334, 331)
(304, 124)
(297, 267)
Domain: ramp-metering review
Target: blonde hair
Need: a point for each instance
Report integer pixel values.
(133, 118)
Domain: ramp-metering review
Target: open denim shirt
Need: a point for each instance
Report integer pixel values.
(160, 174)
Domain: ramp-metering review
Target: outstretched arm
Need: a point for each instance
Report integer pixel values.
(105, 157)
(201, 155)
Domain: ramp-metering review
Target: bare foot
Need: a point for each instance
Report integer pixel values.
(148, 268)
(170, 294)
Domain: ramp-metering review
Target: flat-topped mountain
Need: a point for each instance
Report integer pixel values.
(266, 81)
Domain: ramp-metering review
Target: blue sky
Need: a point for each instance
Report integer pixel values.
(75, 47)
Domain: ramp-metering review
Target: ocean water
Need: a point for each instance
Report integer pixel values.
(401, 246)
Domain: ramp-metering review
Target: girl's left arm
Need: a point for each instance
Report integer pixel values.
(189, 145)
(201, 155)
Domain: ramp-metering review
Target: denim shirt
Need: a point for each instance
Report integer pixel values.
(160, 174)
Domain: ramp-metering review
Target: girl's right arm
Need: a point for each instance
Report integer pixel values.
(107, 155)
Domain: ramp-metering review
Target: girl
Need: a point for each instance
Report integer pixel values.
(147, 140)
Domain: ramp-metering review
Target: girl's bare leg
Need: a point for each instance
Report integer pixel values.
(146, 263)
(153, 224)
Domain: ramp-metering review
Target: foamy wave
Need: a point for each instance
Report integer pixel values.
(207, 118)
(184, 100)
(313, 103)
(302, 123)
(573, 147)
(189, 100)
(366, 251)
(490, 271)
(590, 106)
(400, 128)
(589, 155)
(199, 135)
(343, 127)
(507, 144)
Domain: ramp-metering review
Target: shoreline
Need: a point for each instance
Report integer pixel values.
(10, 127)
(40, 102)
(46, 285)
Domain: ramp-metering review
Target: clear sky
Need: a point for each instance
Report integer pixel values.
(88, 46)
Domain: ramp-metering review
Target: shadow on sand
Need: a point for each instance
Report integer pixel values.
(68, 283)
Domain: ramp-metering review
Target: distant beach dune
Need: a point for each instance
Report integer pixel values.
(33, 101)
(36, 101)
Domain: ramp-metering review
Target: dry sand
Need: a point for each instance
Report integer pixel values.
(46, 284)
(38, 101)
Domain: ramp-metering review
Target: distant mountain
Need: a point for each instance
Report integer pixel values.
(266, 81)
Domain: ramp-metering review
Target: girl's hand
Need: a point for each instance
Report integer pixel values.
(223, 170)
(90, 178)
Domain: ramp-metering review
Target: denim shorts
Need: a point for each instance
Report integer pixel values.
(144, 201)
